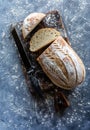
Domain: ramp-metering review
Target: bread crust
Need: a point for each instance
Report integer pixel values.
(62, 65)
(30, 22)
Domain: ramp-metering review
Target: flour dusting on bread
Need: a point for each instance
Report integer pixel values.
(62, 65)
(30, 22)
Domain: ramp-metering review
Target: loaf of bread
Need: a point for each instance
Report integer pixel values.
(42, 38)
(30, 22)
(62, 65)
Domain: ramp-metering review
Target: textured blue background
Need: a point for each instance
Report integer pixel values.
(18, 109)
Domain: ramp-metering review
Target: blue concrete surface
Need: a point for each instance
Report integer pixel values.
(18, 109)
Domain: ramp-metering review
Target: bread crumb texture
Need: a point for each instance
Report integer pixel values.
(42, 38)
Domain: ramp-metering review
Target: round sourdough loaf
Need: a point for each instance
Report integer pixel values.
(62, 65)
(42, 38)
(30, 22)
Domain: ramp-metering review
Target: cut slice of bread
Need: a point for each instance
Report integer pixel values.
(30, 22)
(42, 38)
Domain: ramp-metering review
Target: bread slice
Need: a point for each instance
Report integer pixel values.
(42, 38)
(62, 65)
(30, 22)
